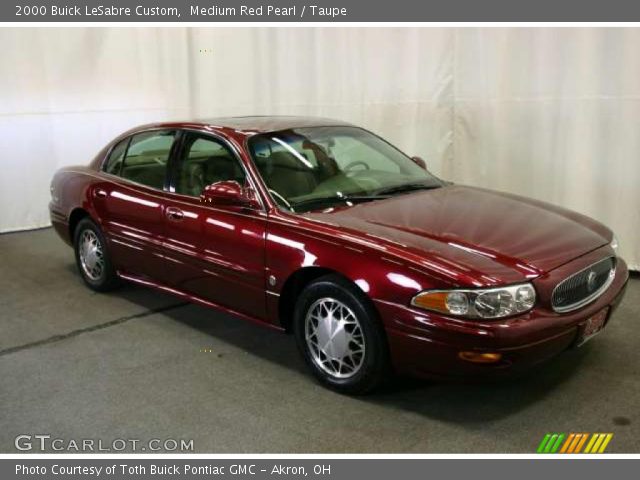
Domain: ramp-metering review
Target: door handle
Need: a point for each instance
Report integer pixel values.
(100, 193)
(174, 214)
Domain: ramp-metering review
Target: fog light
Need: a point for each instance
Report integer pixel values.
(480, 357)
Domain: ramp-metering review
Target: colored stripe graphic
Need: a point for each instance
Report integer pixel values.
(573, 443)
(552, 440)
(606, 442)
(591, 442)
(555, 447)
(543, 443)
(550, 443)
(567, 442)
(598, 443)
(581, 442)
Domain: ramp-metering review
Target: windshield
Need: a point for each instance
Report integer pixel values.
(311, 168)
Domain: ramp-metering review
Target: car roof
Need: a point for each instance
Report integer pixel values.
(270, 123)
(250, 125)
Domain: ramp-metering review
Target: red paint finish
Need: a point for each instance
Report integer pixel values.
(236, 250)
(228, 193)
(216, 253)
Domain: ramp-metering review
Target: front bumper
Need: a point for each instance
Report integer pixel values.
(428, 345)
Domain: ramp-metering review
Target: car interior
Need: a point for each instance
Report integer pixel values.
(201, 169)
(146, 158)
(147, 171)
(287, 175)
(207, 162)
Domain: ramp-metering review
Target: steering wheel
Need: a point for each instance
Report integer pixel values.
(280, 197)
(357, 163)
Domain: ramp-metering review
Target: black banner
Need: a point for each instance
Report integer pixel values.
(319, 11)
(321, 469)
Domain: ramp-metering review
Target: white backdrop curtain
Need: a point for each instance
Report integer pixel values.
(551, 113)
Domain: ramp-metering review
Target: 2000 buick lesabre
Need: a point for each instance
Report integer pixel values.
(323, 229)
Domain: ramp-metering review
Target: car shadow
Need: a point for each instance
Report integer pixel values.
(466, 401)
(474, 400)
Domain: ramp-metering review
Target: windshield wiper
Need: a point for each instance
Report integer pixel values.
(408, 187)
(337, 199)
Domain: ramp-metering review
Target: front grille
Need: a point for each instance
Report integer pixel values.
(584, 286)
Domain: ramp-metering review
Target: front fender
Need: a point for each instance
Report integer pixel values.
(291, 247)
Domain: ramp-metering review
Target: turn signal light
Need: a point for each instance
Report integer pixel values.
(434, 301)
(480, 357)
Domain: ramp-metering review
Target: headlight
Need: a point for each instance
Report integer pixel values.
(483, 303)
(614, 244)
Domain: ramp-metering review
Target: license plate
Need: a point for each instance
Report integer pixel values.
(593, 326)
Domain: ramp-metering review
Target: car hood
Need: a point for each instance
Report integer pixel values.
(471, 235)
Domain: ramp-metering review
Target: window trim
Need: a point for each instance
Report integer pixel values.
(107, 157)
(177, 158)
(181, 133)
(176, 142)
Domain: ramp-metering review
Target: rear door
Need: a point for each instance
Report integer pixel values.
(216, 252)
(131, 202)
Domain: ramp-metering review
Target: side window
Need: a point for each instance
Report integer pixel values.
(114, 162)
(147, 157)
(206, 161)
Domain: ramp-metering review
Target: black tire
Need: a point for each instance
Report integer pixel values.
(107, 279)
(374, 368)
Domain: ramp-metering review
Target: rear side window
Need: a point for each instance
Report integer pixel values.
(146, 158)
(114, 162)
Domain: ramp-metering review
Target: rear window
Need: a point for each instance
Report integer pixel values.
(113, 165)
(146, 158)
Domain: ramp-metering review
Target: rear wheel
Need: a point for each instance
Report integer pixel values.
(340, 337)
(92, 257)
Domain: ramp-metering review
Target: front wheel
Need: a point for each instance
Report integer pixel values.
(340, 337)
(93, 258)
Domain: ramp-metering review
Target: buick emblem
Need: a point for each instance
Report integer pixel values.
(591, 281)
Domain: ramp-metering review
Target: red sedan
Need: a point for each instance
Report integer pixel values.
(323, 229)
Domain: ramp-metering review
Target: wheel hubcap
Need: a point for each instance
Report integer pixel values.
(91, 255)
(334, 337)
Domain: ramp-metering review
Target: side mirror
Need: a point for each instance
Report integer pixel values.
(420, 162)
(229, 193)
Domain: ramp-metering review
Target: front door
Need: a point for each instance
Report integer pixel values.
(216, 252)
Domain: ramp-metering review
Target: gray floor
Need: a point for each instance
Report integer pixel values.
(141, 364)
